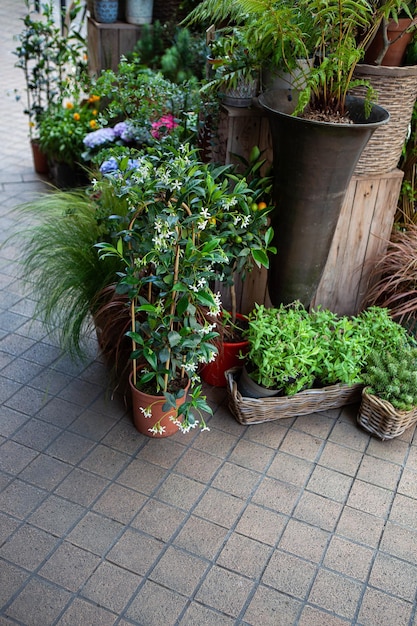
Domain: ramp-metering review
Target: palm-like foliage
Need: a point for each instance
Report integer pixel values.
(331, 34)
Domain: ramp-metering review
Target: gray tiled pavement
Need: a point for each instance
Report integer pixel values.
(304, 522)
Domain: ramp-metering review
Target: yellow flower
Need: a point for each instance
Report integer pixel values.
(93, 98)
(94, 112)
(69, 105)
(76, 116)
(93, 123)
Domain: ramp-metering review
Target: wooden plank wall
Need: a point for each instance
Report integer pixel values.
(362, 235)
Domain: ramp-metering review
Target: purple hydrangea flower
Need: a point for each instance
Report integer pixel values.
(99, 137)
(109, 166)
(125, 130)
(132, 164)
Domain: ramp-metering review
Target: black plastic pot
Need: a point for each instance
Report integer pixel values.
(313, 165)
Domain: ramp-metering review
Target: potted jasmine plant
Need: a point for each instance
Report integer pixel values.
(171, 251)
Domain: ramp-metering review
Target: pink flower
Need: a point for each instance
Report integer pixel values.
(166, 123)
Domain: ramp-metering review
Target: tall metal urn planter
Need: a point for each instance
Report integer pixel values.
(313, 164)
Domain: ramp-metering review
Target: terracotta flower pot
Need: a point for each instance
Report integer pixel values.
(40, 160)
(144, 402)
(228, 356)
(394, 56)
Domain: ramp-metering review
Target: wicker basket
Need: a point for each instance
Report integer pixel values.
(397, 91)
(380, 418)
(259, 410)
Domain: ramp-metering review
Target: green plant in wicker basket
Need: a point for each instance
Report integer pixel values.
(291, 348)
(392, 376)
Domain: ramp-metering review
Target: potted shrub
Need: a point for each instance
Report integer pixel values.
(246, 240)
(51, 61)
(62, 130)
(235, 68)
(316, 148)
(389, 399)
(171, 244)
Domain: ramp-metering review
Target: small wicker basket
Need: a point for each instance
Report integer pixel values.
(258, 410)
(396, 88)
(380, 418)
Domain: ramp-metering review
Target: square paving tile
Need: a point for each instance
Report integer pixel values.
(290, 469)
(14, 457)
(28, 547)
(261, 524)
(201, 537)
(349, 558)
(82, 612)
(11, 579)
(111, 586)
(95, 533)
(219, 507)
(158, 519)
(289, 574)
(69, 566)
(380, 609)
(19, 498)
(155, 605)
(304, 540)
(344, 597)
(270, 607)
(180, 491)
(179, 571)
(245, 556)
(135, 552)
(329, 483)
(340, 458)
(394, 576)
(40, 602)
(70, 447)
(225, 591)
(370, 498)
(276, 495)
(56, 515)
(82, 487)
(46, 472)
(318, 510)
(360, 526)
(120, 503)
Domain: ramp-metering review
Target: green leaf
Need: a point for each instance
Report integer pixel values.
(260, 257)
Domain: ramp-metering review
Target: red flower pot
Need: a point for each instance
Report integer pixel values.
(228, 357)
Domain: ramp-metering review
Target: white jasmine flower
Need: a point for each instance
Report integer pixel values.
(147, 412)
(202, 224)
(157, 429)
(205, 213)
(229, 203)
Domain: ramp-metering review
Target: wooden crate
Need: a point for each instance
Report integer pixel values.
(362, 235)
(238, 131)
(106, 43)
